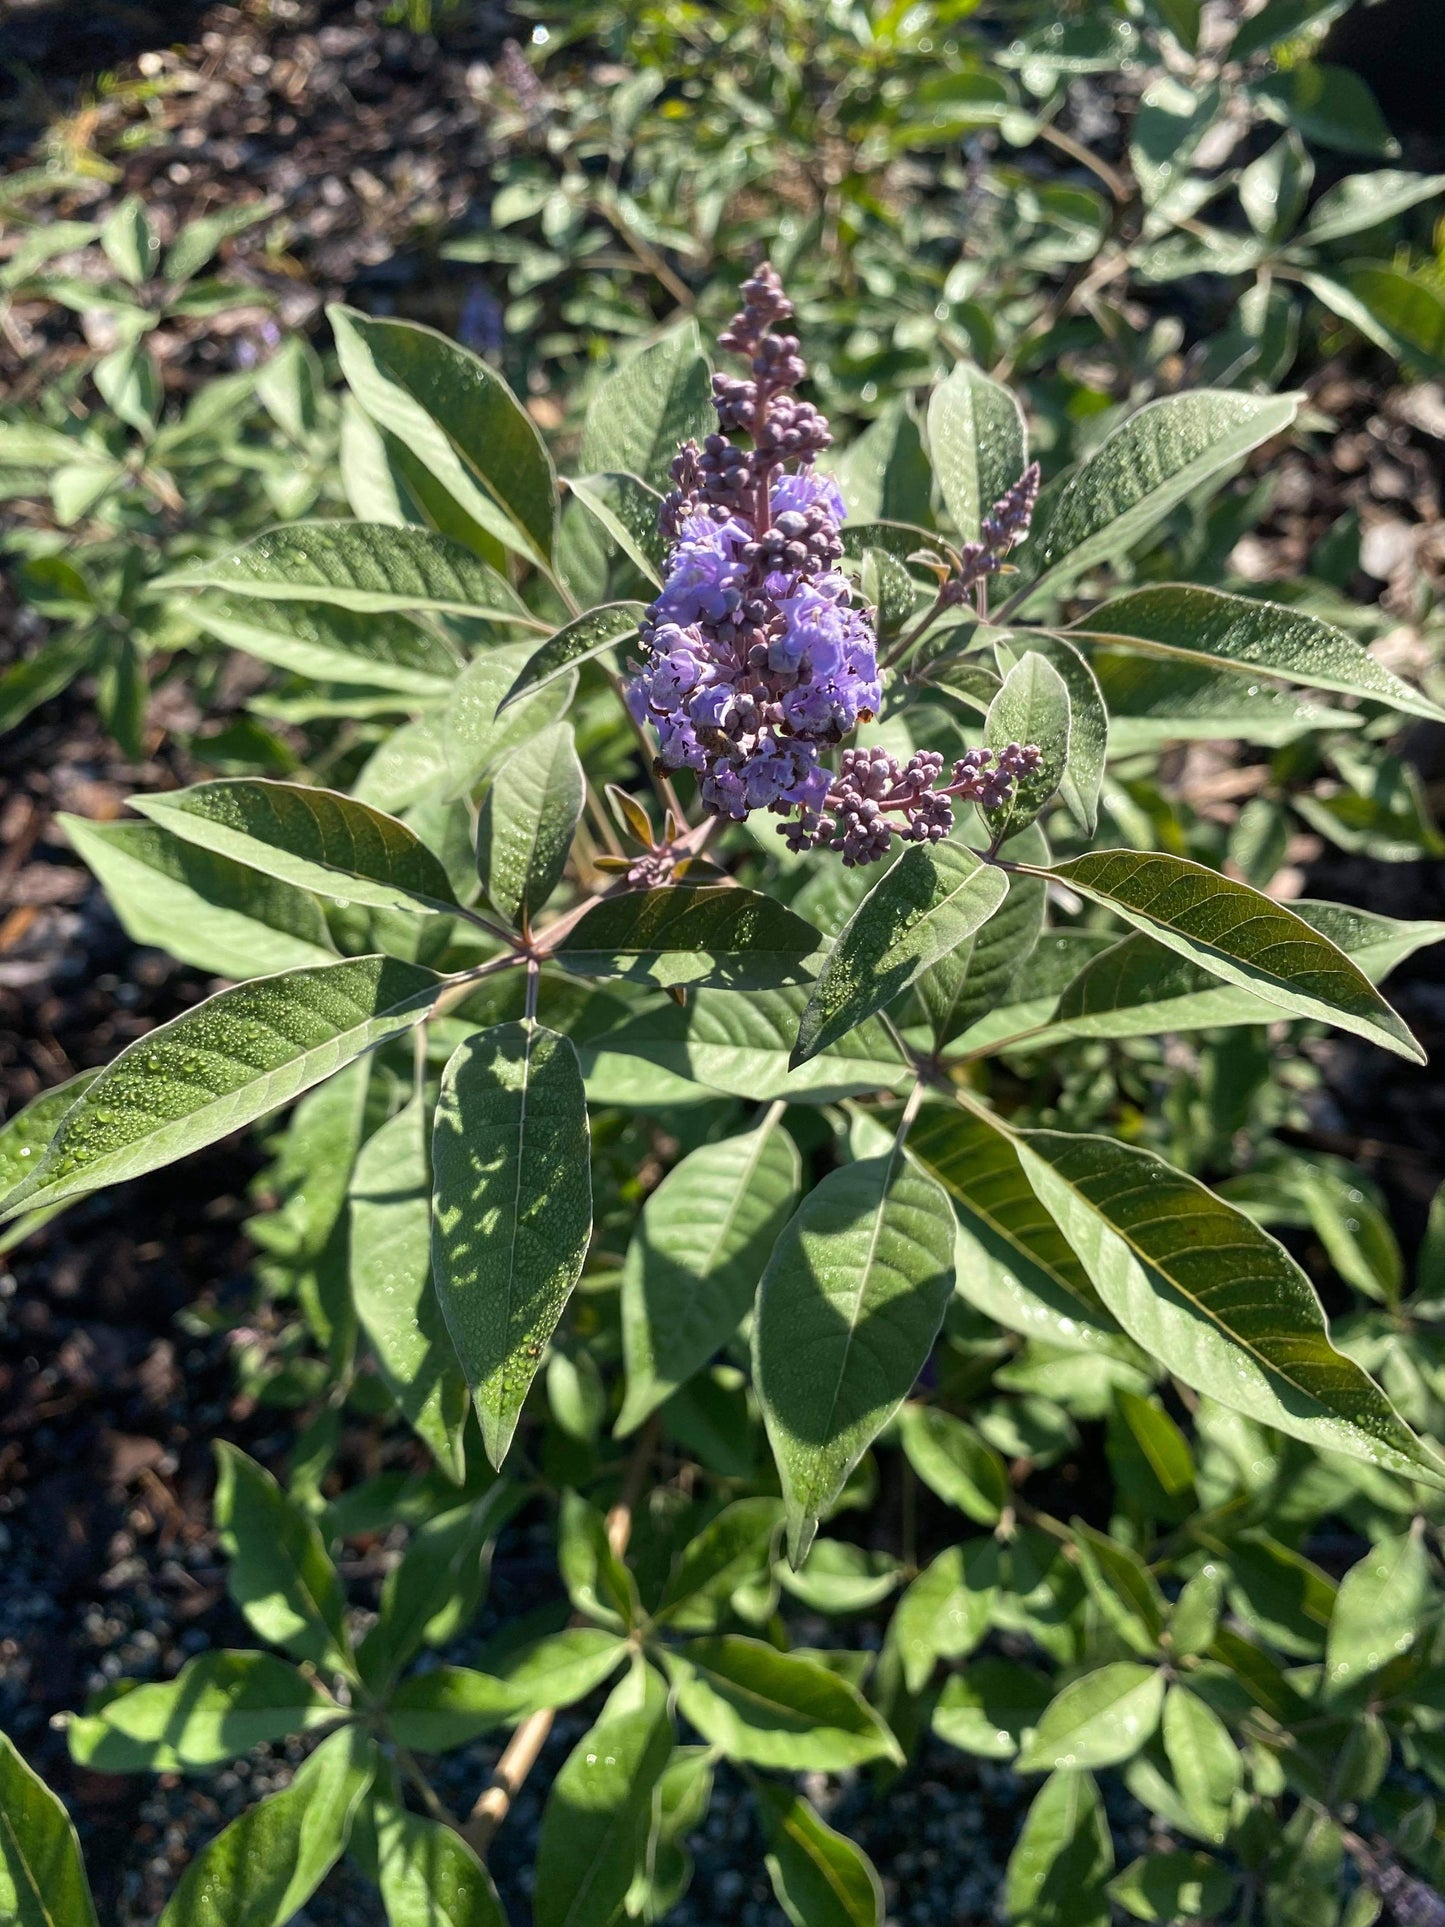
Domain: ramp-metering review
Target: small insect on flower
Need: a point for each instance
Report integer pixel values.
(758, 662)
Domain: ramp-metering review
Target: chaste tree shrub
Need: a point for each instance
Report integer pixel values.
(820, 860)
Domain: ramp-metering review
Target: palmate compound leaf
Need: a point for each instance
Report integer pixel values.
(313, 838)
(1139, 472)
(1192, 624)
(1239, 935)
(691, 933)
(978, 444)
(511, 1210)
(459, 419)
(225, 1063)
(696, 1256)
(847, 1313)
(598, 1812)
(206, 909)
(584, 638)
(217, 1707)
(42, 1876)
(370, 567)
(265, 1866)
(391, 1287)
(933, 898)
(527, 821)
(1213, 1298)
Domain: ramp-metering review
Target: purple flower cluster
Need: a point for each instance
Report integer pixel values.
(871, 788)
(757, 661)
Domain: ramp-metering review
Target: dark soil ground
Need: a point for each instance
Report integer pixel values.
(116, 1320)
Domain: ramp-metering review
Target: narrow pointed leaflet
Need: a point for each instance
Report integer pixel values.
(1240, 935)
(1213, 1298)
(512, 1209)
(225, 1063)
(848, 1310)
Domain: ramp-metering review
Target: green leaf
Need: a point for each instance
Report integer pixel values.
(475, 734)
(221, 1065)
(366, 566)
(730, 1549)
(265, 1866)
(377, 651)
(316, 839)
(512, 1211)
(432, 1595)
(1141, 470)
(583, 639)
(953, 1461)
(130, 386)
(1205, 1762)
(774, 1709)
(1330, 106)
(451, 1705)
(598, 1581)
(987, 1709)
(199, 239)
(1032, 707)
(528, 818)
(1240, 935)
(459, 419)
(1382, 1607)
(1064, 1855)
(687, 933)
(25, 1137)
(1364, 201)
(1097, 1720)
(1213, 1298)
(208, 910)
(1189, 624)
(599, 1810)
(130, 243)
(1281, 20)
(983, 971)
(696, 1256)
(840, 1578)
(931, 900)
(1138, 988)
(741, 1045)
(1088, 735)
(1174, 1886)
(848, 1310)
(42, 1876)
(217, 1706)
(820, 1877)
(656, 400)
(1015, 1264)
(280, 1575)
(946, 1611)
(390, 1249)
(429, 1876)
(978, 443)
(627, 510)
